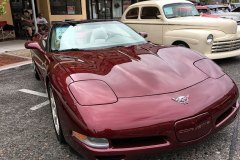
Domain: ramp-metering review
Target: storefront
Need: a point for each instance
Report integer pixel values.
(108, 9)
(17, 8)
(60, 10)
(53, 10)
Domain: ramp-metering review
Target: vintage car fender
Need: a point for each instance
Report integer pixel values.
(195, 39)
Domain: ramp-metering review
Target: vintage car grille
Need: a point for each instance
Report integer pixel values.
(224, 46)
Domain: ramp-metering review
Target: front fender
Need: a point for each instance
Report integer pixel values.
(196, 39)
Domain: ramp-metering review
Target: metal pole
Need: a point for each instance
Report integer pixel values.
(34, 16)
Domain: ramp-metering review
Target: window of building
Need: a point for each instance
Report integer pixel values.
(150, 13)
(65, 7)
(132, 13)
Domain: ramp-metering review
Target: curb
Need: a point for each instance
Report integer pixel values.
(15, 66)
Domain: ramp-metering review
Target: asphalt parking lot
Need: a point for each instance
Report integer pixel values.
(27, 130)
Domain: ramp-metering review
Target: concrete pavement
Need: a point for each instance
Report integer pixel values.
(29, 134)
(12, 45)
(13, 55)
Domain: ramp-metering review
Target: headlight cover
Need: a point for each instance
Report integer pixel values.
(210, 68)
(92, 92)
(100, 143)
(210, 39)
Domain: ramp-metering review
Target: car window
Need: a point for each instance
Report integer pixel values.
(132, 13)
(236, 10)
(223, 9)
(203, 10)
(94, 35)
(176, 10)
(150, 13)
(56, 36)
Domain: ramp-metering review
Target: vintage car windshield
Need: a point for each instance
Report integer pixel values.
(205, 11)
(93, 35)
(222, 10)
(180, 10)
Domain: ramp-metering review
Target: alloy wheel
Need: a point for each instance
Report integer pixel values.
(54, 112)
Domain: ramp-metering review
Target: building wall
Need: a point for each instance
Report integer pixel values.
(8, 16)
(44, 7)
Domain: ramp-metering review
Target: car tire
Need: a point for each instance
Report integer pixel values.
(181, 44)
(35, 71)
(55, 116)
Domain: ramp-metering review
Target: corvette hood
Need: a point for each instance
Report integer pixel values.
(136, 70)
(225, 25)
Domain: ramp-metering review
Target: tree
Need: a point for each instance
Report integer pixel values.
(2, 7)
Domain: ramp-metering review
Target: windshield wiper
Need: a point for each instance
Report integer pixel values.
(72, 49)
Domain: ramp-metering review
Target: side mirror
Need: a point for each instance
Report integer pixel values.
(160, 17)
(33, 45)
(143, 34)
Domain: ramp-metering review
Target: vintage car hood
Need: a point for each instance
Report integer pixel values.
(225, 25)
(136, 70)
(210, 15)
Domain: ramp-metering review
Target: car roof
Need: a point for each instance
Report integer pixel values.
(160, 2)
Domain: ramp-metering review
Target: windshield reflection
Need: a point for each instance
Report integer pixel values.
(93, 36)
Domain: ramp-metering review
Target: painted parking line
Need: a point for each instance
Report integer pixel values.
(34, 92)
(39, 105)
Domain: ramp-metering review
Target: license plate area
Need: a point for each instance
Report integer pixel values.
(193, 128)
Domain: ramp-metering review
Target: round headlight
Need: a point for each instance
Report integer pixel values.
(210, 39)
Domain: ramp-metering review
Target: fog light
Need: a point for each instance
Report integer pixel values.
(90, 141)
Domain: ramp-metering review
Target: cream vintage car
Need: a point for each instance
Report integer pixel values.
(177, 22)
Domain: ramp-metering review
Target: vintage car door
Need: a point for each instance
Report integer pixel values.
(146, 19)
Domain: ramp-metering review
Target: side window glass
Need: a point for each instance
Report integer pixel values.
(150, 13)
(132, 13)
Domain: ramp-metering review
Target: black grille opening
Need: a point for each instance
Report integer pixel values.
(224, 115)
(117, 157)
(138, 142)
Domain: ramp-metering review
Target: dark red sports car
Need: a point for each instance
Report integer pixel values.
(113, 95)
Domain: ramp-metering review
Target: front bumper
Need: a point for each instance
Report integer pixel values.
(222, 108)
(139, 152)
(222, 55)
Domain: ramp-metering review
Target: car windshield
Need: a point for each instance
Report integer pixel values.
(180, 10)
(93, 35)
(201, 10)
(223, 9)
(218, 9)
